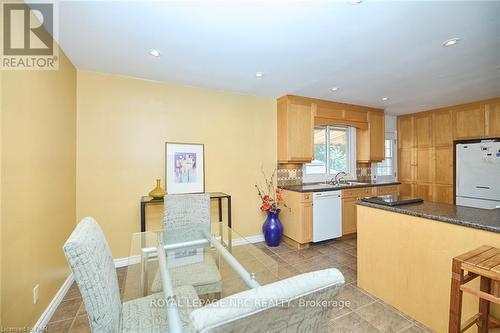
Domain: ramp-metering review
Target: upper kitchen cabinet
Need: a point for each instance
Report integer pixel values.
(423, 132)
(492, 110)
(295, 130)
(298, 115)
(443, 133)
(469, 121)
(370, 143)
(406, 131)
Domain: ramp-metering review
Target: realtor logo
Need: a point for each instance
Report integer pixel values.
(28, 30)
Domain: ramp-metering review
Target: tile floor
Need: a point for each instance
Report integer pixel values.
(365, 312)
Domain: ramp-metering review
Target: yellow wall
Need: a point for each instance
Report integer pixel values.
(38, 169)
(123, 124)
(406, 262)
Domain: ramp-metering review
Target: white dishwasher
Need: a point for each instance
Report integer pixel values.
(327, 215)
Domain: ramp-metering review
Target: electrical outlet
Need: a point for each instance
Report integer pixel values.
(36, 294)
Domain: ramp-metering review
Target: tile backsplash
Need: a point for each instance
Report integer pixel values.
(292, 174)
(363, 172)
(289, 174)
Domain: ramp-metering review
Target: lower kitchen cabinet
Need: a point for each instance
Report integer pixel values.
(349, 198)
(349, 216)
(297, 216)
(407, 189)
(443, 193)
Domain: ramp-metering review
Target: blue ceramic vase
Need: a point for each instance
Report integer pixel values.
(272, 229)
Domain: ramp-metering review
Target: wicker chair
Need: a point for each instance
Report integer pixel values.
(185, 217)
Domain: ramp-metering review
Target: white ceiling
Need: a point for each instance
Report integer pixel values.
(371, 50)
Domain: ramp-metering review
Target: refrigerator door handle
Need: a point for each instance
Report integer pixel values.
(483, 187)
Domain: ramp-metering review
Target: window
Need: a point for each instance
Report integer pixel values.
(387, 168)
(334, 152)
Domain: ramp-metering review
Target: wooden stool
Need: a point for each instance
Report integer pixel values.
(483, 262)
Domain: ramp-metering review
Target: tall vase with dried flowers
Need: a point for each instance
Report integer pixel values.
(272, 200)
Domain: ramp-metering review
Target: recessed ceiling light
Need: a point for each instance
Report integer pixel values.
(259, 74)
(154, 52)
(334, 89)
(355, 2)
(451, 42)
(385, 98)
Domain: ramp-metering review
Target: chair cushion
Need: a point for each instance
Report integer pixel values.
(149, 314)
(203, 276)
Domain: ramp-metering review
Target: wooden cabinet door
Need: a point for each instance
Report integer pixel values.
(442, 128)
(424, 191)
(424, 165)
(443, 166)
(407, 189)
(406, 132)
(406, 164)
(493, 119)
(423, 135)
(307, 221)
(348, 216)
(469, 122)
(377, 136)
(443, 193)
(300, 132)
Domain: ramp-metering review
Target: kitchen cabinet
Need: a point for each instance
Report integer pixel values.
(407, 163)
(493, 119)
(385, 190)
(295, 130)
(297, 217)
(428, 170)
(469, 122)
(406, 132)
(443, 130)
(423, 130)
(425, 165)
(424, 191)
(297, 116)
(443, 166)
(443, 193)
(407, 189)
(349, 198)
(349, 216)
(370, 143)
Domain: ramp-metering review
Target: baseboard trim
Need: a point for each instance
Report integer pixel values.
(251, 239)
(51, 308)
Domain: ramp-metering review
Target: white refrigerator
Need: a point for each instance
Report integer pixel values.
(478, 174)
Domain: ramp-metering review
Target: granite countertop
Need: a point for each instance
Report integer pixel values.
(321, 187)
(484, 219)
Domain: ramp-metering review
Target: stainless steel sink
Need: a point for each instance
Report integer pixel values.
(345, 183)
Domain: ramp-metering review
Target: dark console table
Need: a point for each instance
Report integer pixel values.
(213, 196)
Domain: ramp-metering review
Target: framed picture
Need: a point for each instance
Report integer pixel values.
(184, 168)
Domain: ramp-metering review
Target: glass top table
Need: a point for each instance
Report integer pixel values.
(213, 259)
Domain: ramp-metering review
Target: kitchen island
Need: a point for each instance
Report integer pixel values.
(405, 254)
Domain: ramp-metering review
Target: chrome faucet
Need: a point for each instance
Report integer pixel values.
(338, 177)
(342, 176)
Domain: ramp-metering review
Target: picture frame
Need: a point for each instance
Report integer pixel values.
(184, 167)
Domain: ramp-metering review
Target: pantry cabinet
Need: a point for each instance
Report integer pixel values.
(469, 122)
(427, 170)
(493, 119)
